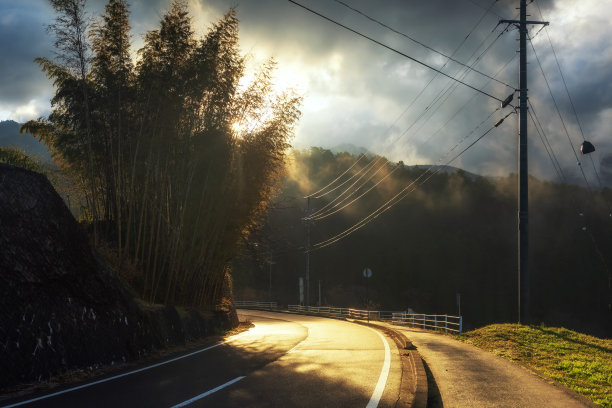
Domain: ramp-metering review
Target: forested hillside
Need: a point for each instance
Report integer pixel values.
(454, 234)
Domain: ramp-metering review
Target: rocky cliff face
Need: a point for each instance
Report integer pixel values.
(60, 305)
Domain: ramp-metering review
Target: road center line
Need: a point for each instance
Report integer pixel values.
(207, 393)
(384, 373)
(124, 374)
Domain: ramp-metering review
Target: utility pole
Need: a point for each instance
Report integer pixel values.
(523, 197)
(270, 282)
(308, 253)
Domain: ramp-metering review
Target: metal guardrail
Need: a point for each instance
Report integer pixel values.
(445, 323)
(256, 305)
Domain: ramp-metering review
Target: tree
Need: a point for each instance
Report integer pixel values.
(186, 160)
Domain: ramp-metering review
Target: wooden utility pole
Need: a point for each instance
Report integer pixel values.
(308, 253)
(523, 197)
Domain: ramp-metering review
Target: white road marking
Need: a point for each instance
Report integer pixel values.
(207, 393)
(300, 343)
(382, 380)
(124, 374)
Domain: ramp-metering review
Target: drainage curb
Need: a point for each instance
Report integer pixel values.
(413, 387)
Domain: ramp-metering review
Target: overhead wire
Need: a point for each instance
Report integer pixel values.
(365, 169)
(421, 43)
(487, 9)
(398, 166)
(545, 141)
(396, 199)
(332, 212)
(560, 116)
(392, 49)
(370, 166)
(591, 236)
(315, 195)
(404, 192)
(568, 94)
(336, 179)
(463, 106)
(325, 211)
(444, 94)
(441, 92)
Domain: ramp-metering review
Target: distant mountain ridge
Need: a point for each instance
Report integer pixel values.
(359, 150)
(10, 137)
(604, 166)
(351, 149)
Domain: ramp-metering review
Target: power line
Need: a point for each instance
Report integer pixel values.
(450, 89)
(488, 10)
(365, 169)
(393, 49)
(361, 195)
(394, 200)
(336, 179)
(324, 213)
(369, 167)
(404, 192)
(320, 213)
(463, 106)
(419, 95)
(569, 96)
(560, 117)
(421, 43)
(546, 142)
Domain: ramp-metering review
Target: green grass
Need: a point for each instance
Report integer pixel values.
(578, 361)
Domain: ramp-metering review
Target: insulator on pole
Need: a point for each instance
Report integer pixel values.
(507, 101)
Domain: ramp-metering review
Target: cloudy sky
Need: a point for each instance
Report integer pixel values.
(357, 92)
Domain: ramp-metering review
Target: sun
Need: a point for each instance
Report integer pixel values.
(237, 128)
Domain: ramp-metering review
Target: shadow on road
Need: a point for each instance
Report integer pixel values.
(434, 399)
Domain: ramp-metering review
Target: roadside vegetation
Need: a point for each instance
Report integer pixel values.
(578, 361)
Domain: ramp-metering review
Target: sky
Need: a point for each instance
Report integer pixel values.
(360, 93)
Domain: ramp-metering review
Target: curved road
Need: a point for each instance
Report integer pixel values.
(284, 361)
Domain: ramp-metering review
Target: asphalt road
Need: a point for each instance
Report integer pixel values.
(284, 361)
(470, 377)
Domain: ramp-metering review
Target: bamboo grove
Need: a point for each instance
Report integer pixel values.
(176, 156)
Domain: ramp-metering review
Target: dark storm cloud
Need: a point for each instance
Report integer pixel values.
(355, 91)
(22, 30)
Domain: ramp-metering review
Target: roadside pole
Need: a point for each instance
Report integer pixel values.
(523, 198)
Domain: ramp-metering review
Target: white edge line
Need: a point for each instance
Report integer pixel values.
(384, 373)
(124, 374)
(207, 393)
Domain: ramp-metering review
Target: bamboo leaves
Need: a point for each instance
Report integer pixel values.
(177, 187)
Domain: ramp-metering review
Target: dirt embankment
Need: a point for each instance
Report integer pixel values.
(61, 308)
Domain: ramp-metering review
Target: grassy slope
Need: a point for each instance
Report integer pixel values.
(578, 361)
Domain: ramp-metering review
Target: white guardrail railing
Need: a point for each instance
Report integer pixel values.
(445, 323)
(256, 305)
(453, 324)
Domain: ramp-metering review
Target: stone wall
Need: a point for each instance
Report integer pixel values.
(61, 308)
